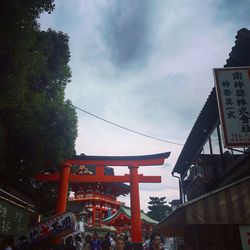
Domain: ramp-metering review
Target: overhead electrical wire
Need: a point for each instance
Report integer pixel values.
(128, 129)
(122, 127)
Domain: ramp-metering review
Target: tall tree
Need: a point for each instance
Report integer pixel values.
(38, 127)
(158, 208)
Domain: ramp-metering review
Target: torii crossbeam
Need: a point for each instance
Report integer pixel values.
(133, 163)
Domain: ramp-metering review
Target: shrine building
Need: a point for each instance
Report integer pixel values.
(121, 220)
(99, 200)
(86, 178)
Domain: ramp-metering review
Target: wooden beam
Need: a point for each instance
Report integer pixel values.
(98, 178)
(47, 177)
(149, 162)
(139, 160)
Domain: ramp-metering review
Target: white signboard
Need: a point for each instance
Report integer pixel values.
(57, 225)
(233, 96)
(245, 236)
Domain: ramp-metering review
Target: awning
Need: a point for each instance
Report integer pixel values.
(227, 205)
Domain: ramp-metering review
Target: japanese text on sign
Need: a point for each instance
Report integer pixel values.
(51, 227)
(233, 95)
(13, 220)
(245, 236)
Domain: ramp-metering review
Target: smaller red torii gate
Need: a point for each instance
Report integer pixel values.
(133, 163)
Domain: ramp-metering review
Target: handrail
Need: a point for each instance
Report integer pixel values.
(16, 198)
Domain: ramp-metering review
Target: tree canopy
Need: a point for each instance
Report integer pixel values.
(158, 208)
(38, 127)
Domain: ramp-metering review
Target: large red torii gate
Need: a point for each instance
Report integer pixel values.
(133, 163)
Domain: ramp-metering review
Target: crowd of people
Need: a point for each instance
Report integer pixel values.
(93, 242)
(111, 242)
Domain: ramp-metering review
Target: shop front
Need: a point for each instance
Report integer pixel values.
(212, 221)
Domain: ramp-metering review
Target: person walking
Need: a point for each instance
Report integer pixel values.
(95, 243)
(156, 242)
(146, 242)
(86, 245)
(120, 243)
(106, 244)
(128, 244)
(78, 241)
(69, 244)
(112, 241)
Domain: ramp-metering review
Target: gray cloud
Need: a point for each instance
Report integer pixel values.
(125, 29)
(169, 98)
(232, 11)
(146, 65)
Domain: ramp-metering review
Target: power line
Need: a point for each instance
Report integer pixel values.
(128, 129)
(119, 126)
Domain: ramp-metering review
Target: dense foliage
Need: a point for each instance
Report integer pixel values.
(38, 127)
(158, 208)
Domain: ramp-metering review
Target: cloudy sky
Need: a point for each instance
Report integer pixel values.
(145, 65)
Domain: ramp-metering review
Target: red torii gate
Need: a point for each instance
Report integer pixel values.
(133, 163)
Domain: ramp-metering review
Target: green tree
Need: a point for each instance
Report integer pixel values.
(38, 127)
(158, 208)
(38, 124)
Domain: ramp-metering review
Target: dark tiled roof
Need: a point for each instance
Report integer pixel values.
(205, 123)
(240, 54)
(121, 158)
(209, 115)
(127, 211)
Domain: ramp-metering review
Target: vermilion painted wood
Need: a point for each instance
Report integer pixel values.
(139, 160)
(117, 162)
(136, 228)
(47, 177)
(63, 189)
(133, 162)
(96, 178)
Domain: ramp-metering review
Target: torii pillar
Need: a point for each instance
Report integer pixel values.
(63, 189)
(135, 205)
(133, 163)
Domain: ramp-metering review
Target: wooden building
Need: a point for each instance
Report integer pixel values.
(121, 220)
(18, 211)
(214, 181)
(99, 200)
